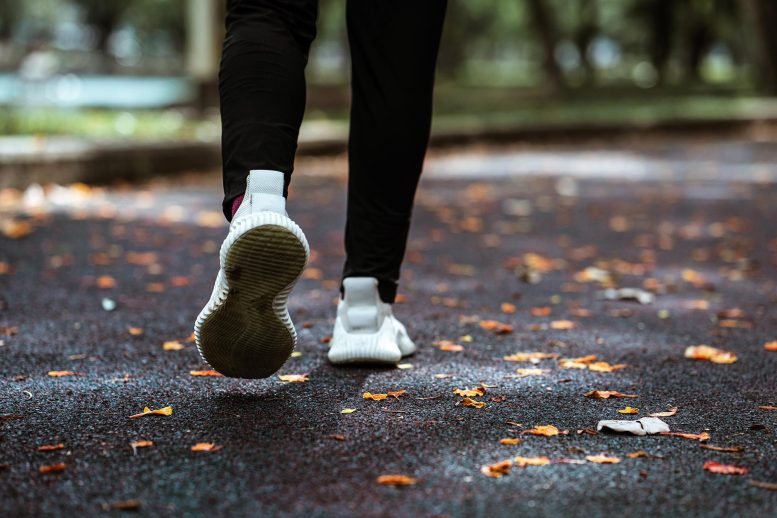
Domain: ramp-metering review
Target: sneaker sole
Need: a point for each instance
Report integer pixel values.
(247, 331)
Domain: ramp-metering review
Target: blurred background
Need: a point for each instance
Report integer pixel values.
(145, 70)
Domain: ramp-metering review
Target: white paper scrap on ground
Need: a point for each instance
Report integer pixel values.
(644, 426)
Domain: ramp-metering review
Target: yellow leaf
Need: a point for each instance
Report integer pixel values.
(397, 394)
(629, 410)
(705, 352)
(396, 480)
(296, 354)
(448, 346)
(347, 410)
(510, 441)
(602, 459)
(771, 346)
(605, 367)
(531, 372)
(563, 325)
(529, 356)
(508, 307)
(172, 345)
(637, 454)
(498, 469)
(293, 378)
(404, 366)
(546, 430)
(473, 392)
(531, 461)
(374, 397)
(211, 373)
(607, 394)
(141, 444)
(472, 403)
(168, 410)
(61, 374)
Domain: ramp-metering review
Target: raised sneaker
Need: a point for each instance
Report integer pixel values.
(245, 330)
(366, 330)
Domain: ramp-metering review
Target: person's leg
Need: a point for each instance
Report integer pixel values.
(262, 88)
(394, 47)
(245, 330)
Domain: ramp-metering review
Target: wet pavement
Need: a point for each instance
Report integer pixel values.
(492, 239)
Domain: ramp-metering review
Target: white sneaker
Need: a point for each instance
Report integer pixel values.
(366, 330)
(245, 330)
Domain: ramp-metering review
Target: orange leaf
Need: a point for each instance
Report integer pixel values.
(51, 447)
(141, 444)
(726, 449)
(767, 408)
(607, 394)
(531, 461)
(669, 413)
(207, 446)
(508, 308)
(106, 282)
(396, 480)
(771, 346)
(529, 356)
(472, 403)
(725, 469)
(397, 394)
(61, 374)
(135, 331)
(497, 327)
(294, 378)
(374, 397)
(605, 367)
(547, 430)
(629, 410)
(602, 459)
(473, 392)
(638, 454)
(541, 311)
(53, 468)
(701, 437)
(215, 374)
(705, 352)
(172, 345)
(498, 469)
(563, 325)
(510, 441)
(168, 410)
(448, 346)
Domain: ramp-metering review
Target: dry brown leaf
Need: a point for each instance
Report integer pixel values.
(448, 346)
(637, 454)
(106, 282)
(207, 446)
(530, 356)
(547, 430)
(602, 459)
(607, 394)
(498, 469)
(712, 354)
(771, 346)
(543, 311)
(397, 394)
(701, 437)
(374, 397)
(15, 229)
(771, 486)
(725, 469)
(725, 449)
(605, 367)
(508, 308)
(207, 373)
(531, 461)
(124, 505)
(577, 363)
(135, 331)
(531, 372)
(629, 410)
(141, 444)
(510, 440)
(52, 468)
(293, 378)
(396, 480)
(767, 408)
(61, 374)
(497, 327)
(9, 330)
(472, 403)
(473, 392)
(168, 410)
(669, 413)
(51, 447)
(563, 325)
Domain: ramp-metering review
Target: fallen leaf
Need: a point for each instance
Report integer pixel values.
(771, 346)
(293, 378)
(605, 367)
(473, 392)
(531, 461)
(701, 437)
(448, 346)
(577, 363)
(15, 229)
(669, 413)
(207, 446)
(607, 394)
(725, 469)
(443, 376)
(337, 437)
(61, 374)
(498, 469)
(374, 397)
(712, 354)
(172, 345)
(530, 356)
(347, 410)
(168, 410)
(211, 373)
(545, 430)
(725, 449)
(602, 459)
(638, 454)
(106, 282)
(135, 331)
(508, 308)
(629, 410)
(531, 372)
(51, 447)
(397, 394)
(52, 468)
(510, 441)
(125, 505)
(404, 366)
(543, 311)
(396, 480)
(141, 444)
(563, 325)
(497, 327)
(472, 403)
(9, 330)
(767, 408)
(771, 486)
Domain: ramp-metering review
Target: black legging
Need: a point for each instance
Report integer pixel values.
(394, 47)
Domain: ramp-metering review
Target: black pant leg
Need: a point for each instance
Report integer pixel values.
(262, 87)
(394, 46)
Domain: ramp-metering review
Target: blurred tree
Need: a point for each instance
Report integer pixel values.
(545, 28)
(103, 16)
(657, 20)
(763, 17)
(586, 29)
(154, 17)
(9, 15)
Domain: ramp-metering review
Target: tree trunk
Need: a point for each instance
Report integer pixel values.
(763, 16)
(546, 30)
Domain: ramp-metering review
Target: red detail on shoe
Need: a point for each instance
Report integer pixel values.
(236, 204)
